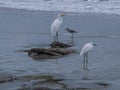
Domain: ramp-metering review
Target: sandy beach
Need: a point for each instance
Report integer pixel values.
(24, 29)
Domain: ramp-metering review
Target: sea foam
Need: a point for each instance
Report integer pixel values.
(77, 6)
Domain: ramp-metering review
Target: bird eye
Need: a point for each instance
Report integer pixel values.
(95, 44)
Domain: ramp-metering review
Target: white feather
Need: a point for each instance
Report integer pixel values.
(86, 48)
(55, 26)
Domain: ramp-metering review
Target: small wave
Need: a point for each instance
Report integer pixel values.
(76, 6)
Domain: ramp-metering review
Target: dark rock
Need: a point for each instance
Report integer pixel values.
(6, 78)
(36, 77)
(49, 82)
(47, 53)
(22, 50)
(59, 45)
(103, 84)
(41, 88)
(40, 82)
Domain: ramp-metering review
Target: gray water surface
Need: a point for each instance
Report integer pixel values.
(21, 30)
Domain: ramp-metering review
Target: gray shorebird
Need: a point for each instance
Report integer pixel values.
(72, 32)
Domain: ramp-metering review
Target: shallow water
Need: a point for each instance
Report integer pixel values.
(22, 30)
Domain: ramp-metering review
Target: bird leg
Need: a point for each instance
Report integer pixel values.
(86, 60)
(84, 57)
(54, 38)
(57, 35)
(72, 38)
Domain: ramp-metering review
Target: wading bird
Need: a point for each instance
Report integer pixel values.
(84, 51)
(72, 33)
(55, 26)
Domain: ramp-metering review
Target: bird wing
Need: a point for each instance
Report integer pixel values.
(55, 26)
(86, 48)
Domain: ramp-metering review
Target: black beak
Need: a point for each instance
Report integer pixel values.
(95, 44)
(67, 29)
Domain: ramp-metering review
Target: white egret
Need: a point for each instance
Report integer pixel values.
(84, 51)
(55, 26)
(72, 33)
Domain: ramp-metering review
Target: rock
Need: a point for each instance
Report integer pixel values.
(22, 50)
(86, 85)
(48, 53)
(36, 77)
(49, 82)
(58, 50)
(59, 45)
(40, 82)
(6, 78)
(103, 84)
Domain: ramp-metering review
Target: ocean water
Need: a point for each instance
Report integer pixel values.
(77, 6)
(21, 30)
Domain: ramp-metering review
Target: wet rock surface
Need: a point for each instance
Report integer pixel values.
(52, 82)
(49, 82)
(86, 85)
(60, 45)
(41, 82)
(57, 50)
(48, 53)
(4, 77)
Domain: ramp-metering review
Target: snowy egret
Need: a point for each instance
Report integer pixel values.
(84, 51)
(55, 26)
(72, 33)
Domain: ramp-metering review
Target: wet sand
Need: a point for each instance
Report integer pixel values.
(21, 29)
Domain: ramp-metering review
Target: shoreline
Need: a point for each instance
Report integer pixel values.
(71, 13)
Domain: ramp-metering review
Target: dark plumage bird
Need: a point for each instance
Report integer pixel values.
(72, 32)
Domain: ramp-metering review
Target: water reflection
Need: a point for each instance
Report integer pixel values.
(57, 66)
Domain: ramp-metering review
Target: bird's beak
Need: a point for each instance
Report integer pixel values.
(62, 14)
(95, 44)
(66, 28)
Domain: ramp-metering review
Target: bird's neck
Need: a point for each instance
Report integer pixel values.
(60, 18)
